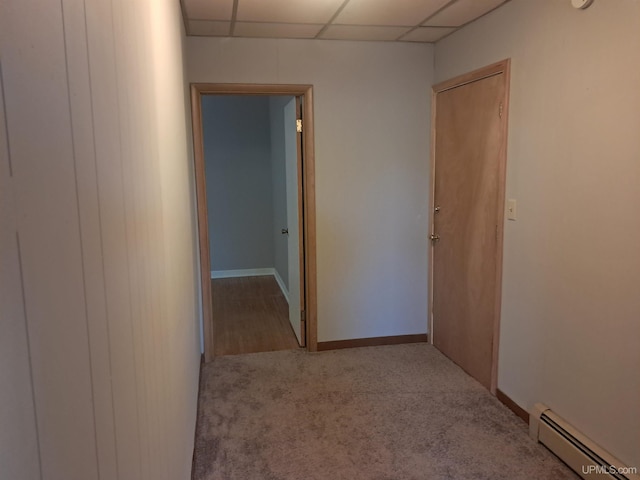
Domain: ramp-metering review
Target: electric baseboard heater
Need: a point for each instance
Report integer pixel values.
(586, 458)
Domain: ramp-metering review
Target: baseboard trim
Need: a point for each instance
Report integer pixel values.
(247, 272)
(253, 272)
(278, 278)
(372, 342)
(513, 406)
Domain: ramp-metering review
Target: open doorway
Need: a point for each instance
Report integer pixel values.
(256, 216)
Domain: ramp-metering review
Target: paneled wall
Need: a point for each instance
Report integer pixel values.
(99, 328)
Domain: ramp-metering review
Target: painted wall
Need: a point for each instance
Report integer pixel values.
(571, 308)
(99, 328)
(280, 242)
(237, 147)
(372, 110)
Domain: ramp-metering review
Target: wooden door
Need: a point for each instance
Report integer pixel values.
(470, 139)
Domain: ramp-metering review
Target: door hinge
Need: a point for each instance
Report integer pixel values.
(500, 110)
(303, 315)
(299, 125)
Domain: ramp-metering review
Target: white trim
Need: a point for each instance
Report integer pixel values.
(285, 292)
(248, 272)
(253, 272)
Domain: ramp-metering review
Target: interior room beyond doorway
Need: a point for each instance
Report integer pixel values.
(251, 160)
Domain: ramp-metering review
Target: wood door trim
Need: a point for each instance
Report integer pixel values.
(513, 406)
(373, 341)
(502, 67)
(308, 189)
(470, 77)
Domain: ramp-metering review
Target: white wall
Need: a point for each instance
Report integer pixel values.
(237, 151)
(571, 307)
(99, 324)
(372, 108)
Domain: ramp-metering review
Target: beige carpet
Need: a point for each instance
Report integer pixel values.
(393, 412)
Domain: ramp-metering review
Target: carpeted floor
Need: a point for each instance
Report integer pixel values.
(395, 412)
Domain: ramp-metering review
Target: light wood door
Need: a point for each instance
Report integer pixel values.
(295, 252)
(469, 178)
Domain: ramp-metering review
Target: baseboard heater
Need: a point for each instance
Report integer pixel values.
(585, 457)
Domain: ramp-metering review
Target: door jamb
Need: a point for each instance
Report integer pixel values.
(502, 67)
(308, 192)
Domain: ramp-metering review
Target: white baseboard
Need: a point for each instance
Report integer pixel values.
(285, 292)
(253, 272)
(248, 272)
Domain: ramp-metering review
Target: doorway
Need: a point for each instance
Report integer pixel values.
(263, 248)
(468, 164)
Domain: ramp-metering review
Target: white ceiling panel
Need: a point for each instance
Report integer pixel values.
(426, 34)
(461, 12)
(385, 12)
(209, 28)
(208, 9)
(363, 32)
(376, 20)
(275, 30)
(287, 11)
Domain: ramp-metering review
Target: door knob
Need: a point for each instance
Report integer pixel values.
(434, 238)
(284, 231)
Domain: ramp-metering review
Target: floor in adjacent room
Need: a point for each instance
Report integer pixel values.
(391, 412)
(250, 314)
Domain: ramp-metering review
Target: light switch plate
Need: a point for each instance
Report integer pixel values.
(511, 209)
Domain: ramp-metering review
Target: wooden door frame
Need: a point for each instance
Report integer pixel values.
(306, 183)
(502, 67)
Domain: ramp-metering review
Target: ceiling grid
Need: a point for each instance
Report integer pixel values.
(423, 21)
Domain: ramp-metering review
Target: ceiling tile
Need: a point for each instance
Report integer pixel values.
(208, 9)
(287, 11)
(209, 28)
(426, 34)
(461, 12)
(276, 30)
(362, 32)
(386, 12)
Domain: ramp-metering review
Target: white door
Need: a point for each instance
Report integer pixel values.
(293, 161)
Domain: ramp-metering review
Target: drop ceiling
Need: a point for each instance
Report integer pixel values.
(424, 21)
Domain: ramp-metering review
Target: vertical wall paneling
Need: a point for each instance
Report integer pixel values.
(19, 453)
(109, 167)
(103, 355)
(90, 223)
(178, 211)
(35, 81)
(124, 36)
